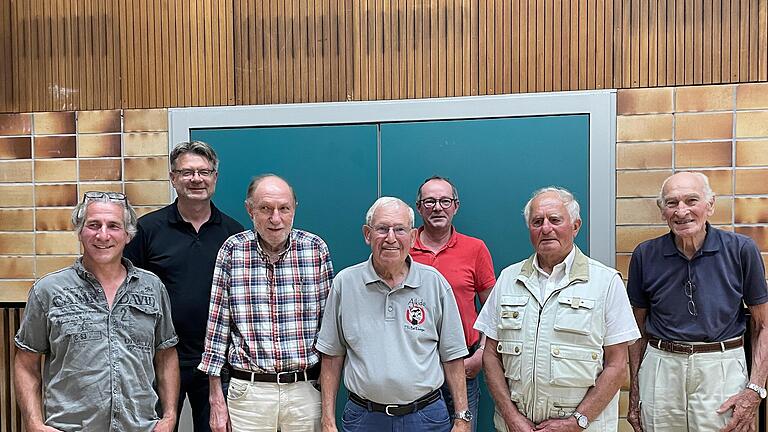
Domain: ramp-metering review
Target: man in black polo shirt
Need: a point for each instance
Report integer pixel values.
(688, 289)
(179, 243)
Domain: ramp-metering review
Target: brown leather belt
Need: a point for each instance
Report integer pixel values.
(312, 373)
(684, 348)
(396, 410)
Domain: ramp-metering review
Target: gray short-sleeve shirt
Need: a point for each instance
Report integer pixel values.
(98, 371)
(394, 340)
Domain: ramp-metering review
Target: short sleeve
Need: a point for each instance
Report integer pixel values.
(165, 334)
(485, 278)
(330, 338)
(451, 344)
(620, 325)
(755, 290)
(635, 291)
(35, 327)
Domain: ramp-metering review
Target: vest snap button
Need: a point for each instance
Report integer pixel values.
(517, 350)
(594, 356)
(556, 351)
(515, 314)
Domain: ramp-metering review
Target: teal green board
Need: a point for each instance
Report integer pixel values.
(335, 170)
(496, 164)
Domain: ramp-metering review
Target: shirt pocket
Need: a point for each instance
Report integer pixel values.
(574, 315)
(511, 354)
(512, 312)
(575, 366)
(140, 322)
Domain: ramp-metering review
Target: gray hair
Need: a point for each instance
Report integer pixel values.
(707, 189)
(566, 197)
(386, 202)
(130, 220)
(195, 147)
(255, 184)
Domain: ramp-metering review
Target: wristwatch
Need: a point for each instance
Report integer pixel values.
(759, 390)
(581, 420)
(465, 415)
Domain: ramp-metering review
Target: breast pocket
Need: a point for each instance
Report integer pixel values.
(139, 321)
(574, 315)
(512, 312)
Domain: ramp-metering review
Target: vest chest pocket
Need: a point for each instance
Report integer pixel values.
(512, 312)
(511, 355)
(574, 315)
(575, 366)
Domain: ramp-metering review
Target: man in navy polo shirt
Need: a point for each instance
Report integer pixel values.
(687, 289)
(179, 243)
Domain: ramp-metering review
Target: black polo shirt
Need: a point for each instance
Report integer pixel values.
(169, 247)
(727, 271)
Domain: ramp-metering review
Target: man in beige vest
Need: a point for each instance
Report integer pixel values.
(557, 326)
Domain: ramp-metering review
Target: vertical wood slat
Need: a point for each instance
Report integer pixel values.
(10, 417)
(90, 54)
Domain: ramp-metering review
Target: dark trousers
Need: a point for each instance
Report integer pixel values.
(194, 384)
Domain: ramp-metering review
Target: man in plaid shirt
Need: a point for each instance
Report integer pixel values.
(267, 300)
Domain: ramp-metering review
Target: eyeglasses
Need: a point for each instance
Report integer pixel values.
(383, 230)
(444, 202)
(114, 196)
(689, 288)
(189, 173)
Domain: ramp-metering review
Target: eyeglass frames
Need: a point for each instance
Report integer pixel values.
(689, 288)
(444, 202)
(114, 196)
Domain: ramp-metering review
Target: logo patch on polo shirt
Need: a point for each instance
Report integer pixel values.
(415, 314)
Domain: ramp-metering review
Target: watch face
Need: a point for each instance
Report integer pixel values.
(583, 422)
(464, 415)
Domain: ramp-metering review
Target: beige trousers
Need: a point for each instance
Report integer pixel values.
(681, 392)
(267, 407)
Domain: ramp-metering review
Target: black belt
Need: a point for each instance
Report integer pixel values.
(396, 410)
(312, 373)
(684, 348)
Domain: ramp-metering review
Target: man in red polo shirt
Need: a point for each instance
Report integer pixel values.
(464, 261)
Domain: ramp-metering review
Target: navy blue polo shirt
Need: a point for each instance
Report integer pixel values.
(727, 272)
(169, 247)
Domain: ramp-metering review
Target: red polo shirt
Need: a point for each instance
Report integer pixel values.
(466, 263)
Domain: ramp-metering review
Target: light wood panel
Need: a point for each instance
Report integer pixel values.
(102, 54)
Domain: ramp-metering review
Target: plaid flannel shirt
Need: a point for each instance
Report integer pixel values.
(265, 317)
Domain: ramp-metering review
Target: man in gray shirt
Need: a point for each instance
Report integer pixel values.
(393, 325)
(104, 327)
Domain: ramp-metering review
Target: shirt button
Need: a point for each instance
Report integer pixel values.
(389, 308)
(115, 391)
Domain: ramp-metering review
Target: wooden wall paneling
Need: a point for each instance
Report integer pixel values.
(449, 54)
(409, 49)
(556, 50)
(6, 50)
(762, 41)
(420, 31)
(583, 29)
(706, 41)
(313, 33)
(735, 36)
(387, 38)
(501, 73)
(400, 70)
(226, 42)
(744, 7)
(725, 41)
(281, 48)
(643, 50)
(752, 36)
(213, 92)
(573, 55)
(697, 33)
(690, 41)
(716, 41)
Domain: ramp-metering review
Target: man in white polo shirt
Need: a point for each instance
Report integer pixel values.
(393, 325)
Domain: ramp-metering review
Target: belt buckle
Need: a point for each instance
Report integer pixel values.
(685, 348)
(279, 374)
(386, 410)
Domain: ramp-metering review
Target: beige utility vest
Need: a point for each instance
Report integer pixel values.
(553, 350)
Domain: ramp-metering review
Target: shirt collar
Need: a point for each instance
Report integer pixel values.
(711, 242)
(418, 245)
(131, 271)
(568, 262)
(412, 279)
(175, 216)
(263, 254)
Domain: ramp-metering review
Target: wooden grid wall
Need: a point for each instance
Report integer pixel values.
(106, 54)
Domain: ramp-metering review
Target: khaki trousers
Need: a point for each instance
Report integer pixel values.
(267, 407)
(680, 392)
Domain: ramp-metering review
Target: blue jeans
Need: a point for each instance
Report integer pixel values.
(432, 418)
(473, 398)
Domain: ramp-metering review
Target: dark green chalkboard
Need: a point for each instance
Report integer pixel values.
(337, 171)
